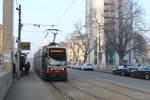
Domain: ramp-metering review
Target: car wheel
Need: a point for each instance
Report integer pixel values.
(123, 74)
(147, 77)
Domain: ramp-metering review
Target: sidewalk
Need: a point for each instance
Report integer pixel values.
(32, 88)
(5, 82)
(2, 71)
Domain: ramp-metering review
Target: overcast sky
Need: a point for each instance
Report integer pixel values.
(51, 12)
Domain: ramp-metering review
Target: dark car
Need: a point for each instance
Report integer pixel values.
(141, 72)
(124, 70)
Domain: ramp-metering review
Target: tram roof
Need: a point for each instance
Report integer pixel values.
(56, 46)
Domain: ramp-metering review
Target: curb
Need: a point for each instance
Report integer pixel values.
(109, 72)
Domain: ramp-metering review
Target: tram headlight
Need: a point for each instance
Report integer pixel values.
(63, 69)
(51, 68)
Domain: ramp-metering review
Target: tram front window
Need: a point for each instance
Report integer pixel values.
(57, 58)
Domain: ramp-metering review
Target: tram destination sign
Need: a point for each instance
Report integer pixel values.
(25, 46)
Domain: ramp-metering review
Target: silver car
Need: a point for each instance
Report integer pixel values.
(87, 67)
(77, 66)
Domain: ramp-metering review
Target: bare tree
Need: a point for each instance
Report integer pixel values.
(72, 43)
(85, 40)
(139, 44)
(125, 28)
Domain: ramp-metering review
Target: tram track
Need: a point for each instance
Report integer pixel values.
(115, 91)
(110, 86)
(67, 97)
(105, 81)
(73, 87)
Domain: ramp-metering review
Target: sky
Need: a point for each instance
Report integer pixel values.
(47, 12)
(51, 12)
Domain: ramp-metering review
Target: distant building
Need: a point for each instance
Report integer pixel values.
(74, 48)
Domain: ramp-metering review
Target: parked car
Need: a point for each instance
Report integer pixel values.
(69, 65)
(77, 66)
(124, 70)
(141, 72)
(73, 65)
(87, 67)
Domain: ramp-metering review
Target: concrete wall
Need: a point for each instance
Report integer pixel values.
(7, 37)
(5, 84)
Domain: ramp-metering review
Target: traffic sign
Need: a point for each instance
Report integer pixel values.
(25, 46)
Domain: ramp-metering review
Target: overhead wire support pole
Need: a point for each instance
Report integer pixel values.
(19, 42)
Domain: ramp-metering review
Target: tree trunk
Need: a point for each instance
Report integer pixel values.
(85, 57)
(121, 62)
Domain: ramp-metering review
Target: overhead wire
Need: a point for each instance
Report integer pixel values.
(59, 18)
(66, 10)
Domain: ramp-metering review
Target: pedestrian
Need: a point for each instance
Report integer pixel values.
(22, 69)
(27, 67)
(14, 71)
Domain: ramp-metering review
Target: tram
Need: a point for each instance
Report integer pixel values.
(50, 62)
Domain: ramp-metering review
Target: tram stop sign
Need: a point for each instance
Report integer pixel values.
(25, 46)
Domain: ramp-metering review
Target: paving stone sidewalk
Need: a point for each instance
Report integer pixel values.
(32, 88)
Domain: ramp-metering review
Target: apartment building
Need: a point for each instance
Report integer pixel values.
(98, 12)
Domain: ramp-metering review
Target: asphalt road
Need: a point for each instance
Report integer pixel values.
(113, 78)
(91, 85)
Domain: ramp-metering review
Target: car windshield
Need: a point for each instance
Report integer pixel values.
(148, 66)
(144, 68)
(89, 64)
(140, 68)
(131, 67)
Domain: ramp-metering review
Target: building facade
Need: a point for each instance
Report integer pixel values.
(97, 13)
(74, 50)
